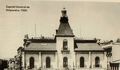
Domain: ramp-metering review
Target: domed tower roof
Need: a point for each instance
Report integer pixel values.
(64, 27)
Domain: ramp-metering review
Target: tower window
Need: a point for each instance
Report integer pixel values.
(65, 44)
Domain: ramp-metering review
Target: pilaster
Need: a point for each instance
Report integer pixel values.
(56, 60)
(119, 66)
(23, 59)
(39, 65)
(105, 61)
(90, 61)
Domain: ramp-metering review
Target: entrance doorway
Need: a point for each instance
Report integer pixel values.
(31, 62)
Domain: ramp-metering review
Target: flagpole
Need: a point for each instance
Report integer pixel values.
(35, 30)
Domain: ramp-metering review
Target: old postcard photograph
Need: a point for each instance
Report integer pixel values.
(59, 35)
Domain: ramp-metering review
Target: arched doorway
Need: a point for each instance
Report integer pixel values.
(97, 62)
(81, 61)
(48, 62)
(31, 62)
(65, 62)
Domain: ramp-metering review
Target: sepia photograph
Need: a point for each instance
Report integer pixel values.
(59, 35)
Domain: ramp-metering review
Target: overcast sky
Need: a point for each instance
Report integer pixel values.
(87, 19)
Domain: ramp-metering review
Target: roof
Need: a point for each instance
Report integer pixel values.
(49, 44)
(85, 41)
(116, 61)
(88, 47)
(64, 29)
(43, 40)
(107, 46)
(41, 47)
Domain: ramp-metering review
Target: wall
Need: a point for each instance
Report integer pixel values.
(40, 59)
(52, 58)
(85, 55)
(103, 59)
(116, 52)
(35, 55)
(70, 54)
(90, 59)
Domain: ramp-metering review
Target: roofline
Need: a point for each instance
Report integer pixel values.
(43, 40)
(56, 50)
(89, 50)
(40, 50)
(64, 35)
(85, 41)
(116, 60)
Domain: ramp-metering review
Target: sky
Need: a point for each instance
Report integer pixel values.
(88, 19)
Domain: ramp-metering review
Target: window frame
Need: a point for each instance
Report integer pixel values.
(65, 62)
(48, 62)
(97, 61)
(31, 62)
(82, 62)
(65, 44)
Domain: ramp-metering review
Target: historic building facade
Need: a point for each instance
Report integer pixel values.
(113, 50)
(64, 51)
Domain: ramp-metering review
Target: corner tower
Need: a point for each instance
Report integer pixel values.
(65, 43)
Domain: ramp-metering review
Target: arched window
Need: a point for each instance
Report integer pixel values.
(65, 62)
(65, 44)
(31, 62)
(81, 61)
(48, 62)
(97, 62)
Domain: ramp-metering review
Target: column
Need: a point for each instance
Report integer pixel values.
(74, 61)
(119, 67)
(111, 67)
(60, 61)
(105, 61)
(56, 61)
(23, 59)
(114, 67)
(39, 57)
(90, 61)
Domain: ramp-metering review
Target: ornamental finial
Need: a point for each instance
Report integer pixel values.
(64, 18)
(64, 12)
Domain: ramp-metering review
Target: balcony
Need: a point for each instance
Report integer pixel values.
(65, 51)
